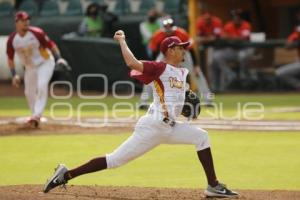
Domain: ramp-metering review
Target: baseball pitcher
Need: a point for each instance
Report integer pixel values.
(159, 125)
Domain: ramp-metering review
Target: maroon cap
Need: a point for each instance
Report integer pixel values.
(172, 42)
(21, 15)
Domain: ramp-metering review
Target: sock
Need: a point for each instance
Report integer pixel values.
(93, 165)
(206, 160)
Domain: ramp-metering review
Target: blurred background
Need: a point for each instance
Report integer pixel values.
(271, 21)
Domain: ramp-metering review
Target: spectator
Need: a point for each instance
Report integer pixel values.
(290, 73)
(168, 29)
(17, 4)
(209, 27)
(147, 28)
(108, 19)
(235, 30)
(92, 25)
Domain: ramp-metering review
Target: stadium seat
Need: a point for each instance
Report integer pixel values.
(146, 5)
(49, 8)
(122, 7)
(97, 1)
(6, 9)
(86, 3)
(29, 6)
(171, 6)
(74, 8)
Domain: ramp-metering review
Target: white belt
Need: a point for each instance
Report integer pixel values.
(166, 120)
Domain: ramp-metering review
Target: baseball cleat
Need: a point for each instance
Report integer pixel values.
(33, 123)
(220, 191)
(57, 178)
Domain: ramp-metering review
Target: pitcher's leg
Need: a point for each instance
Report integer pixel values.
(135, 146)
(96, 164)
(184, 133)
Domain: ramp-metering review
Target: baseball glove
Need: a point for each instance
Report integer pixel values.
(63, 71)
(191, 108)
(62, 65)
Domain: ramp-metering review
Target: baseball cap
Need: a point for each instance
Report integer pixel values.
(172, 42)
(21, 15)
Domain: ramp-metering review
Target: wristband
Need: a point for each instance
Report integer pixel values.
(13, 72)
(56, 56)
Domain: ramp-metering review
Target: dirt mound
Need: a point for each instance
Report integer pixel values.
(32, 192)
(44, 129)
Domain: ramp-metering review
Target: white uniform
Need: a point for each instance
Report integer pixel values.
(168, 84)
(201, 82)
(33, 50)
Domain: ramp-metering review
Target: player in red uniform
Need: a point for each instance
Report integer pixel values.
(209, 27)
(35, 50)
(235, 30)
(290, 73)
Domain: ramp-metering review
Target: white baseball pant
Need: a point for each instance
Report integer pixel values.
(149, 133)
(36, 80)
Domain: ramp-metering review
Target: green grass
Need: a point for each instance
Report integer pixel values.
(247, 160)
(226, 107)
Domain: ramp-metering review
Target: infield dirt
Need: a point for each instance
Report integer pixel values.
(34, 192)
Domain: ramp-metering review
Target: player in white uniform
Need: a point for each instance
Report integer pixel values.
(34, 48)
(159, 125)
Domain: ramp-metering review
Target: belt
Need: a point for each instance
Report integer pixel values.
(169, 121)
(165, 119)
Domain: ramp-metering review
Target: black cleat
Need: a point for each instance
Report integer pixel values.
(220, 191)
(57, 178)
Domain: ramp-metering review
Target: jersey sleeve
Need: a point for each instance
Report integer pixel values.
(10, 51)
(42, 37)
(152, 70)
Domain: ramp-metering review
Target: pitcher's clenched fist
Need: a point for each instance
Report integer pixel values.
(119, 35)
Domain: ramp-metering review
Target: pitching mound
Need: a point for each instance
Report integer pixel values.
(56, 129)
(26, 192)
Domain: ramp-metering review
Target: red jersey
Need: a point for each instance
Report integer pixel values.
(232, 31)
(207, 29)
(160, 35)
